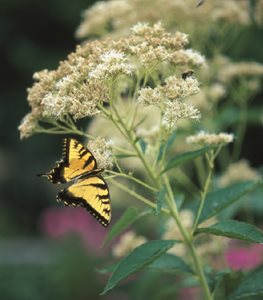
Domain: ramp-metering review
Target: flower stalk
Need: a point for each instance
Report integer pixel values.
(187, 236)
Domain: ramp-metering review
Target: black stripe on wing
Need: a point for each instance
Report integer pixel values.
(69, 199)
(65, 150)
(55, 175)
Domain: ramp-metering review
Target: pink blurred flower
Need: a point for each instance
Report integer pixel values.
(59, 222)
(245, 258)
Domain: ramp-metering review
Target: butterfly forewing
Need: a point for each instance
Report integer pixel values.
(91, 193)
(77, 160)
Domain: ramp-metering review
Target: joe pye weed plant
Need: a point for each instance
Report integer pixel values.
(148, 137)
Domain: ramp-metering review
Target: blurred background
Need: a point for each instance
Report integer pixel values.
(41, 253)
(36, 35)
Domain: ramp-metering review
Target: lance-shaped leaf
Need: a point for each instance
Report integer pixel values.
(251, 285)
(165, 263)
(170, 263)
(236, 230)
(160, 200)
(221, 199)
(142, 144)
(138, 259)
(184, 157)
(226, 283)
(107, 269)
(167, 145)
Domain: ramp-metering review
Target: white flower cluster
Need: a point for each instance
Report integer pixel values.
(187, 57)
(178, 110)
(203, 138)
(101, 149)
(170, 97)
(113, 63)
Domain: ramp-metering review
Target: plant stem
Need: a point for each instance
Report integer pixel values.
(200, 272)
(173, 211)
(210, 159)
(142, 183)
(128, 134)
(138, 196)
(188, 241)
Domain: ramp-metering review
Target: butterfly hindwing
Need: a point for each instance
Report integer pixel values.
(93, 194)
(77, 160)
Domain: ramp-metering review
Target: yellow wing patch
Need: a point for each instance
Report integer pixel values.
(76, 161)
(90, 190)
(91, 193)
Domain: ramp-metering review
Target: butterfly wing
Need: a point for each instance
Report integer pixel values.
(91, 193)
(76, 161)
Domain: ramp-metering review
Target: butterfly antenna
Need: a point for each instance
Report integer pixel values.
(42, 175)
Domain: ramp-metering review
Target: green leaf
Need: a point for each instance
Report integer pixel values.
(236, 230)
(138, 259)
(226, 283)
(221, 199)
(166, 146)
(169, 262)
(179, 199)
(107, 269)
(160, 200)
(129, 217)
(171, 139)
(251, 285)
(184, 157)
(143, 145)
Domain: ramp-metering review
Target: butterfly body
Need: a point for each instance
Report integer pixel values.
(89, 189)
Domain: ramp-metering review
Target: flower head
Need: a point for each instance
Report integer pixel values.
(28, 125)
(203, 138)
(113, 63)
(101, 149)
(176, 110)
(178, 88)
(187, 57)
(152, 44)
(149, 96)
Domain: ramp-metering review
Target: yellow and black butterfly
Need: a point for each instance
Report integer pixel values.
(89, 189)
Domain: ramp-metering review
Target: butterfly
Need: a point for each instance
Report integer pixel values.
(89, 189)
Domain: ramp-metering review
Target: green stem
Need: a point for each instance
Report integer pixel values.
(142, 183)
(138, 196)
(203, 195)
(129, 135)
(200, 272)
(188, 239)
